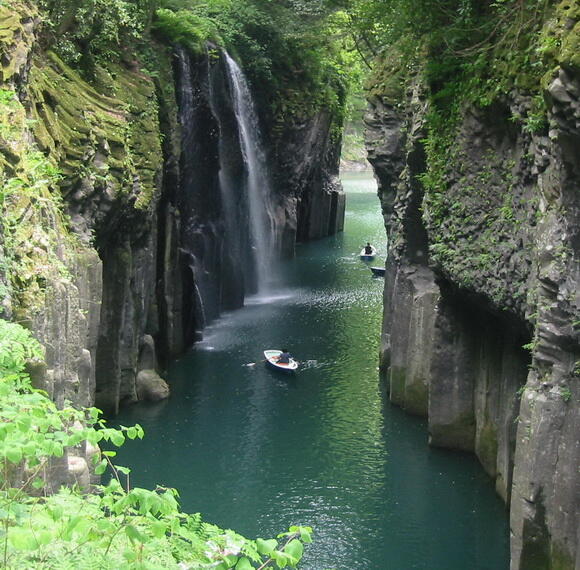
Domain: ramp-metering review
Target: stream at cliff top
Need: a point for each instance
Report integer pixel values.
(256, 451)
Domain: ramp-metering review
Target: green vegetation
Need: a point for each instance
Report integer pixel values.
(33, 225)
(116, 526)
(290, 50)
(566, 393)
(301, 56)
(463, 58)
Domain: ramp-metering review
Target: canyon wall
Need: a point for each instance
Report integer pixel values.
(116, 255)
(481, 329)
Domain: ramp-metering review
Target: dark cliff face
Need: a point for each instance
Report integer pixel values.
(214, 263)
(482, 301)
(307, 161)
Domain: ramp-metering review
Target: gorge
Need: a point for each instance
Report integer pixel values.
(162, 162)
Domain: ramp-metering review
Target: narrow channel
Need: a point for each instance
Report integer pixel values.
(256, 452)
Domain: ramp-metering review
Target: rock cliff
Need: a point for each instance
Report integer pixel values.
(113, 244)
(481, 303)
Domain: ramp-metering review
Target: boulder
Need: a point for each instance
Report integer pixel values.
(151, 387)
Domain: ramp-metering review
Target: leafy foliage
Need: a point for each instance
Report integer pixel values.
(16, 347)
(115, 526)
(186, 28)
(289, 50)
(84, 29)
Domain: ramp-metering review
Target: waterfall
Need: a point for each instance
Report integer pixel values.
(257, 178)
(223, 196)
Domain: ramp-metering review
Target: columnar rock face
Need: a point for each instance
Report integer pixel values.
(307, 161)
(215, 250)
(482, 300)
(130, 245)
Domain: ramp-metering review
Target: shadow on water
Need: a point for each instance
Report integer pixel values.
(258, 451)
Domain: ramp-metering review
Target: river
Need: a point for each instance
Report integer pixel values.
(257, 451)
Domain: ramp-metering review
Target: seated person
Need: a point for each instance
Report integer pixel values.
(368, 249)
(285, 357)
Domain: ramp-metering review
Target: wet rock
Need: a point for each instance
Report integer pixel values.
(151, 387)
(147, 356)
(79, 471)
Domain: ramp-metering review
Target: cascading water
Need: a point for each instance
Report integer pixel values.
(224, 198)
(257, 181)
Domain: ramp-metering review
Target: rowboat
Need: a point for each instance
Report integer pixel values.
(378, 271)
(272, 356)
(368, 256)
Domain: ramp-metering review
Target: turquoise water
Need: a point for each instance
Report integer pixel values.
(257, 451)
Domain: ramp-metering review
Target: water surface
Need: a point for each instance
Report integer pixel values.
(257, 451)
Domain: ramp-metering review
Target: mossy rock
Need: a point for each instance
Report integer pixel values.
(393, 72)
(487, 447)
(16, 37)
(75, 123)
(570, 54)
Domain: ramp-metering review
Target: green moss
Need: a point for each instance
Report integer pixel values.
(561, 558)
(417, 396)
(106, 133)
(393, 72)
(35, 236)
(567, 31)
(73, 122)
(487, 448)
(15, 37)
(397, 379)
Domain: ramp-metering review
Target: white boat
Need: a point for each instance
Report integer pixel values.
(368, 256)
(272, 360)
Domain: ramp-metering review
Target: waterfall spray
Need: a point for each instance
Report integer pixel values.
(257, 179)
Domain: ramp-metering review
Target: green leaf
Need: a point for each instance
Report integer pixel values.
(283, 559)
(244, 564)
(38, 483)
(266, 547)
(134, 534)
(158, 529)
(101, 467)
(231, 560)
(72, 523)
(22, 539)
(24, 423)
(117, 438)
(44, 537)
(306, 535)
(106, 526)
(14, 455)
(295, 548)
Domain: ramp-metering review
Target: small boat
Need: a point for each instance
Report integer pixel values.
(272, 361)
(378, 271)
(368, 256)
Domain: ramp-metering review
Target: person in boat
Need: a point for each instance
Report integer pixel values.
(285, 357)
(368, 249)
